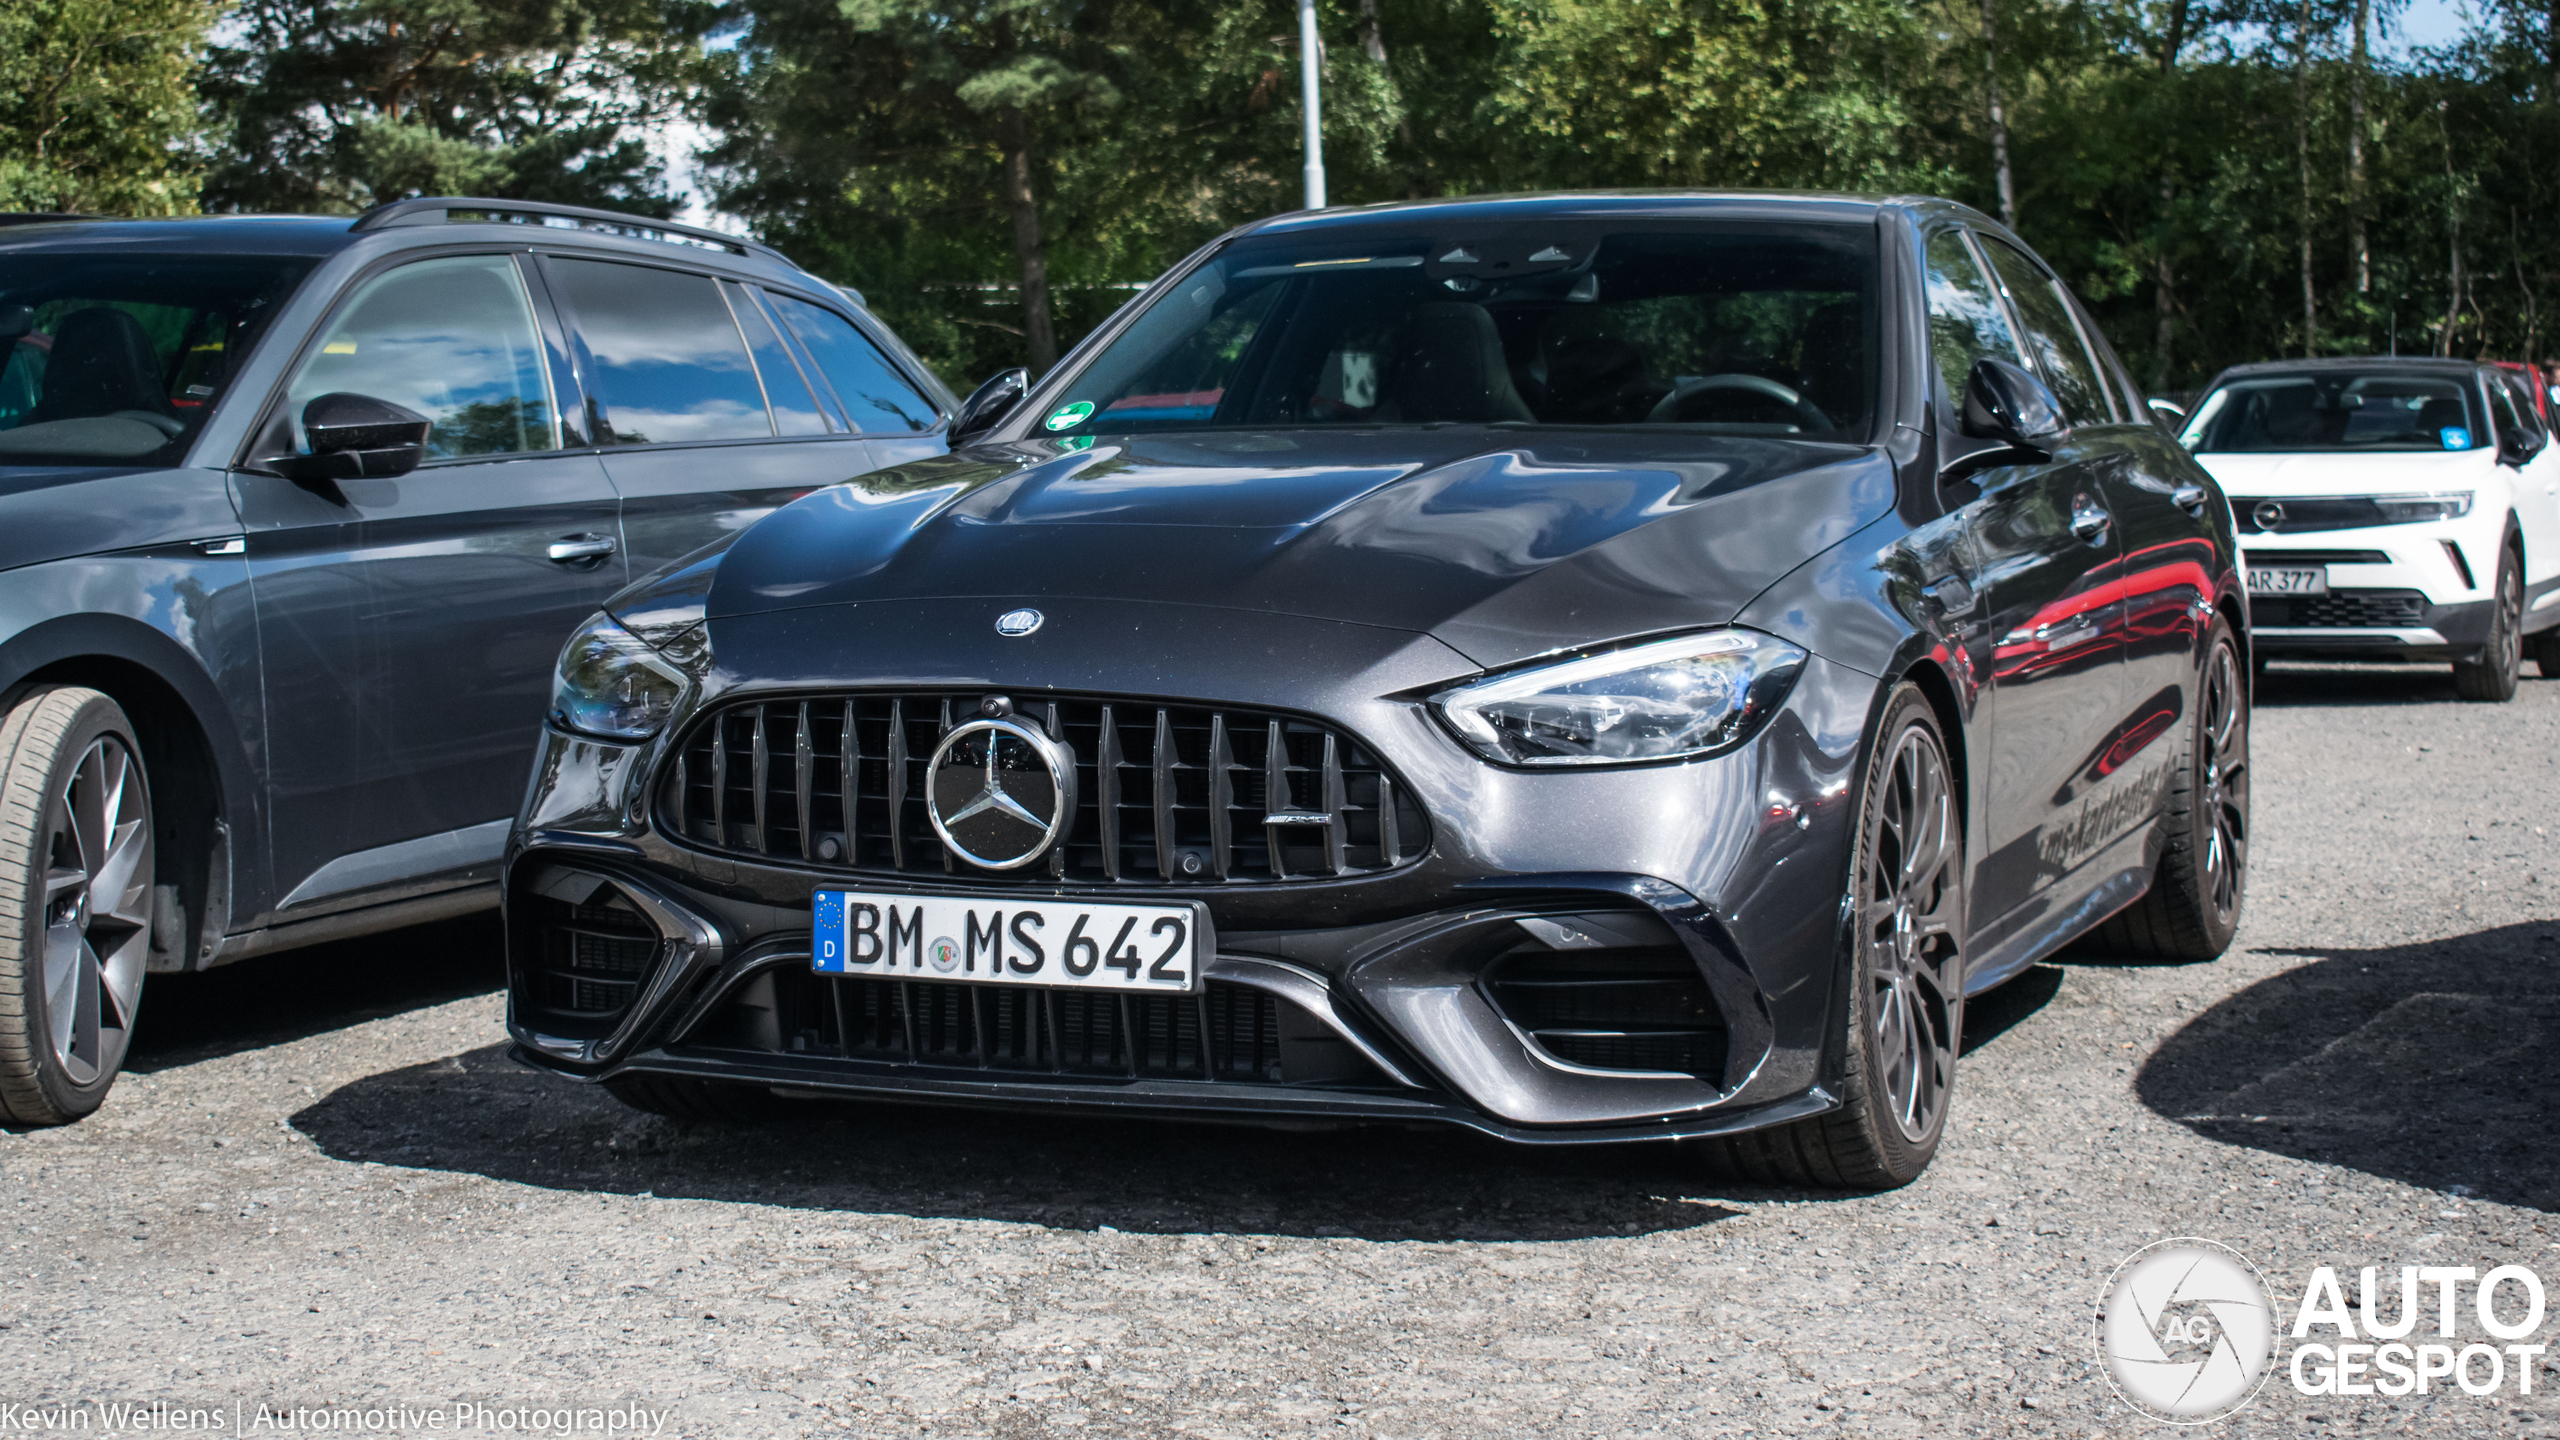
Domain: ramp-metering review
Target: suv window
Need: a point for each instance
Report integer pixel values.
(795, 409)
(453, 339)
(874, 398)
(2516, 410)
(2050, 332)
(669, 363)
(1966, 322)
(118, 358)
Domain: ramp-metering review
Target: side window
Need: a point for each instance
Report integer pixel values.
(873, 396)
(795, 409)
(452, 339)
(2528, 421)
(669, 362)
(1966, 322)
(2052, 336)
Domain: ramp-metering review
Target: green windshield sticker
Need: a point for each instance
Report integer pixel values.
(1071, 415)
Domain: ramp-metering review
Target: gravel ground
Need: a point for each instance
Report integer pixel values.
(324, 1184)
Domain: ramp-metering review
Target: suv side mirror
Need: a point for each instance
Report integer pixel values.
(356, 437)
(2517, 448)
(2005, 403)
(988, 404)
(15, 322)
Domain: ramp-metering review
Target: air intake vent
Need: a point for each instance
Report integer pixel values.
(1614, 1009)
(1166, 794)
(589, 949)
(2343, 609)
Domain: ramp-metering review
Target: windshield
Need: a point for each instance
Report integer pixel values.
(2339, 410)
(117, 360)
(1747, 329)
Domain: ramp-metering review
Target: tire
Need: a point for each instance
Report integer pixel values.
(75, 901)
(1905, 966)
(2492, 677)
(2545, 650)
(681, 1097)
(2193, 906)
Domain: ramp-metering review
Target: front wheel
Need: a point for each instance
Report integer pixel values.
(75, 901)
(1905, 1008)
(2492, 677)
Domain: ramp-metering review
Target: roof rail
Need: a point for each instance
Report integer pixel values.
(471, 210)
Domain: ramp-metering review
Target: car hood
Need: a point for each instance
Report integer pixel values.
(2385, 473)
(1502, 546)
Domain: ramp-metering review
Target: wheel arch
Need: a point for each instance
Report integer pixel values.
(192, 754)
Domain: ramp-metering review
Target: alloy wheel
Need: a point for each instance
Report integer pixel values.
(97, 926)
(1908, 905)
(2226, 782)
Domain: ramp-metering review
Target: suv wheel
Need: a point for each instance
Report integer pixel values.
(2493, 676)
(75, 901)
(1906, 972)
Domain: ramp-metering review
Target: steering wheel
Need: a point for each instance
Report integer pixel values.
(1674, 407)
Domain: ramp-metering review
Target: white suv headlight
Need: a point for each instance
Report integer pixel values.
(1665, 700)
(2412, 509)
(612, 685)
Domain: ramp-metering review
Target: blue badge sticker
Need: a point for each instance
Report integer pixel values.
(1068, 416)
(2453, 436)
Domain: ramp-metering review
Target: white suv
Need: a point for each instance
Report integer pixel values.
(2391, 509)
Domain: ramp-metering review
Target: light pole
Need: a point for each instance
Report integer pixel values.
(1312, 102)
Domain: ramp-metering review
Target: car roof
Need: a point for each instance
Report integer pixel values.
(2358, 364)
(1809, 205)
(399, 224)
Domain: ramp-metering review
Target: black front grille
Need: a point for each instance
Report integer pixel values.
(1226, 1032)
(2343, 609)
(1165, 793)
(1614, 1009)
(589, 959)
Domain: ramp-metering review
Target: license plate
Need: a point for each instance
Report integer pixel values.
(1004, 940)
(2301, 580)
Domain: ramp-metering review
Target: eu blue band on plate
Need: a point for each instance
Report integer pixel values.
(826, 946)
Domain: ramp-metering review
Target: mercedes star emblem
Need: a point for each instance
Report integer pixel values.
(1000, 793)
(2269, 514)
(1018, 623)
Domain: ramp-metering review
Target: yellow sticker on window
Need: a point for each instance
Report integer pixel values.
(339, 347)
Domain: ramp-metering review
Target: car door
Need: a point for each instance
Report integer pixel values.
(706, 417)
(2536, 486)
(2038, 611)
(410, 625)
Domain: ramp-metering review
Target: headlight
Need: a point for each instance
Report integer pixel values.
(2409, 509)
(1667, 700)
(611, 685)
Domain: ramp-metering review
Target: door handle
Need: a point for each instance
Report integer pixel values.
(2089, 522)
(1950, 596)
(580, 549)
(2189, 498)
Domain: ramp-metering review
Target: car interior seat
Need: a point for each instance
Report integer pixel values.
(1452, 369)
(1599, 380)
(2443, 412)
(103, 363)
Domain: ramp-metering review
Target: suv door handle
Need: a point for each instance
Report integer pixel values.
(2089, 522)
(2189, 498)
(580, 549)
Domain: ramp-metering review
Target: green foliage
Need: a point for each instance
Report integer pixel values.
(97, 108)
(328, 106)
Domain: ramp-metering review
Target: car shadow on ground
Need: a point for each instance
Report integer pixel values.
(483, 1113)
(2428, 1063)
(276, 998)
(1992, 1014)
(2329, 684)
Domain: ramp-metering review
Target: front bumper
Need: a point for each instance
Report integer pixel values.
(2402, 592)
(1385, 998)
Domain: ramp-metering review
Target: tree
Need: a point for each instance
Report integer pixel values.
(334, 107)
(97, 106)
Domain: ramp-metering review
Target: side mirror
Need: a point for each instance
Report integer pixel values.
(15, 322)
(2005, 403)
(2167, 413)
(2516, 450)
(356, 437)
(988, 404)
